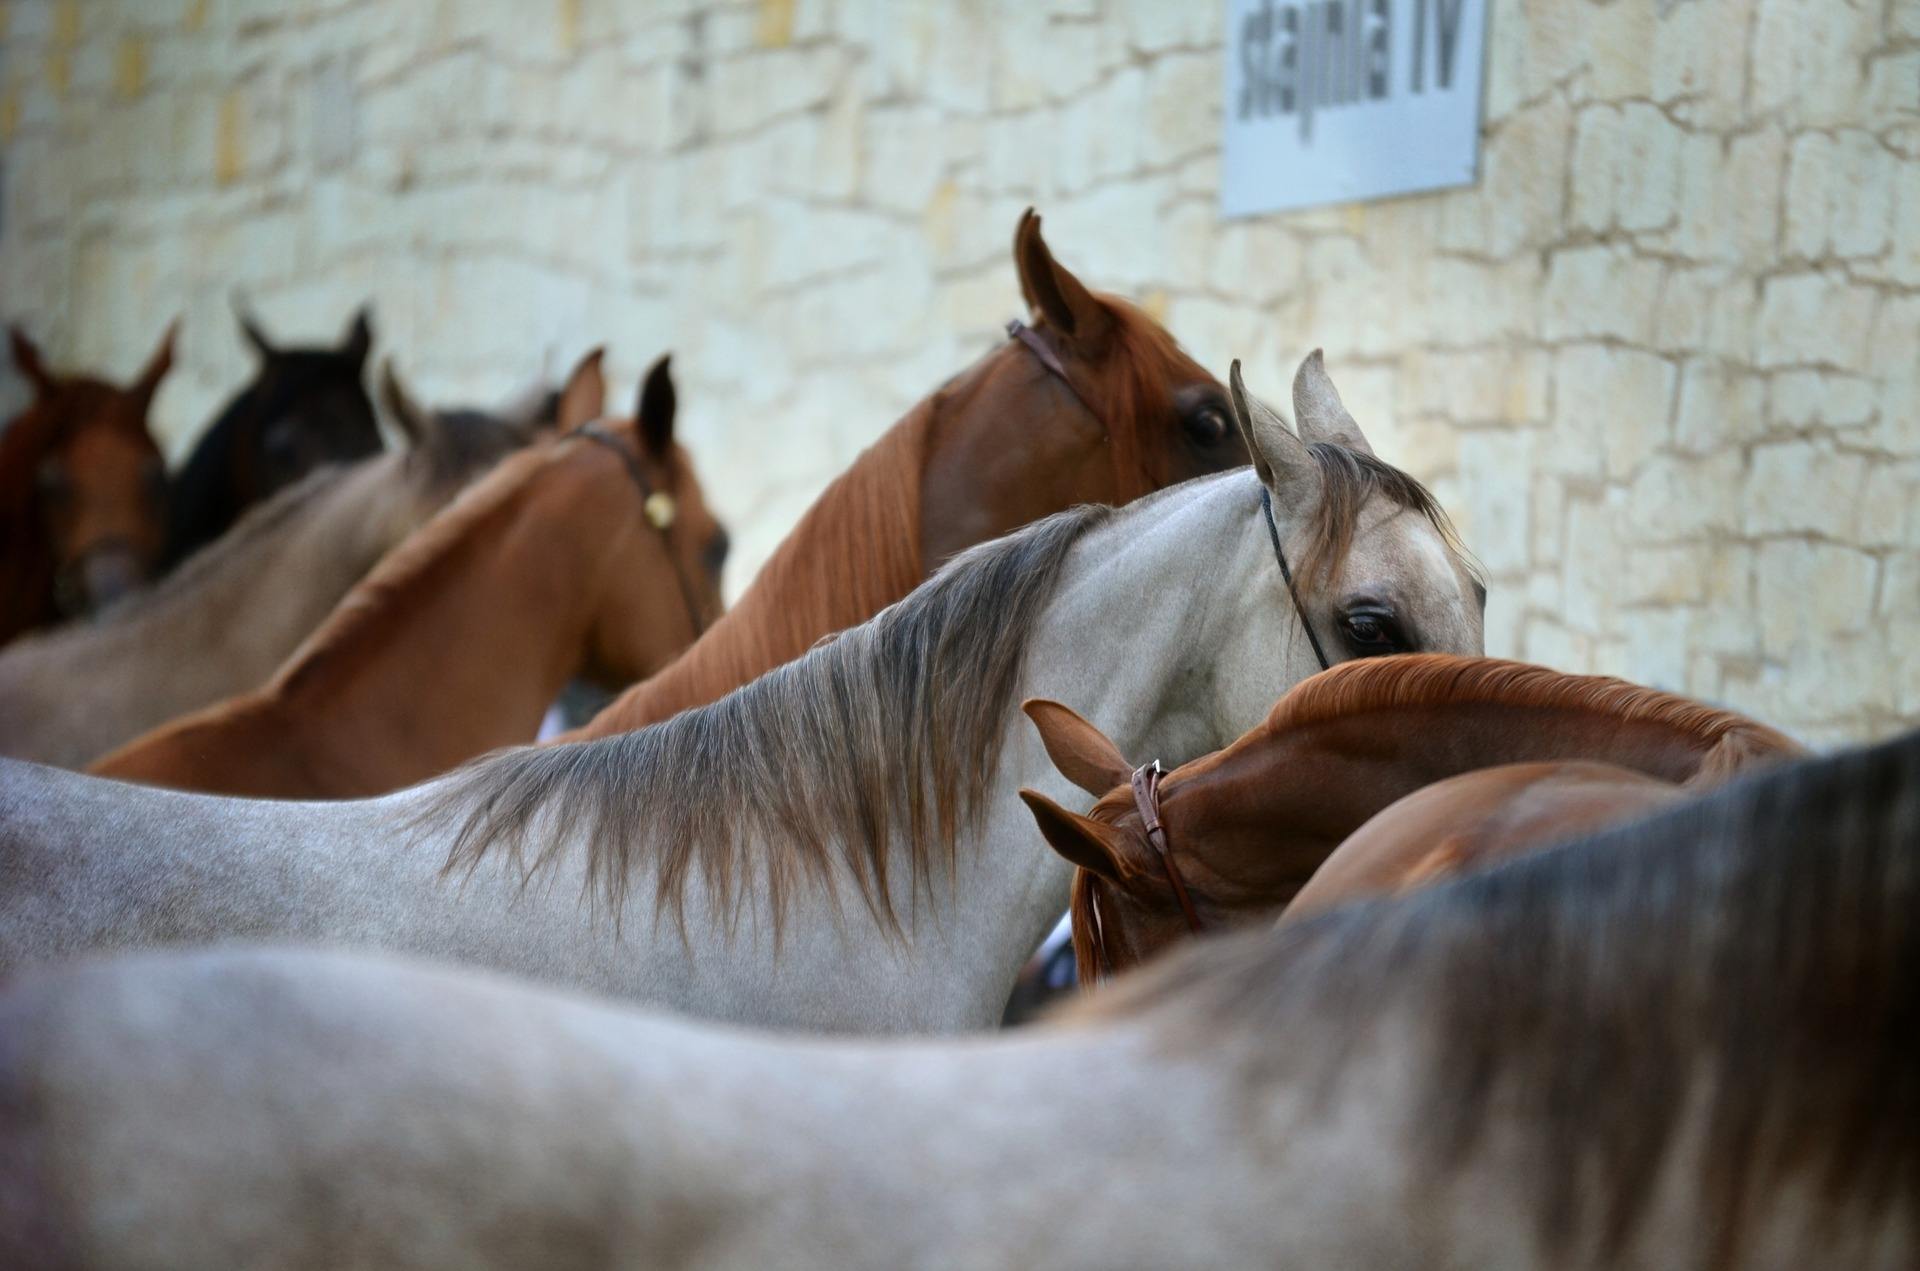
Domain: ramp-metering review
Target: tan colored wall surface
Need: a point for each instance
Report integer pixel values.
(1663, 361)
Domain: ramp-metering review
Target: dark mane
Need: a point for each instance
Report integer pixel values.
(1348, 479)
(890, 728)
(1748, 962)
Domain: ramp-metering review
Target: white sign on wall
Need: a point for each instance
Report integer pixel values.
(1334, 100)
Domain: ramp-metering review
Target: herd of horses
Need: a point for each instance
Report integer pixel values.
(314, 955)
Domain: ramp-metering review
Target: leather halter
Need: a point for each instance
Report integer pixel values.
(657, 509)
(1273, 536)
(1146, 797)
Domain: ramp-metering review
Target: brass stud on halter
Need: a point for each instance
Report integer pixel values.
(660, 509)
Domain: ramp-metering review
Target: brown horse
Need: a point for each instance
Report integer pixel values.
(1477, 819)
(1094, 403)
(1246, 826)
(82, 492)
(591, 554)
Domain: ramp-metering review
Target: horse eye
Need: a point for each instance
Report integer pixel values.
(1372, 634)
(1208, 426)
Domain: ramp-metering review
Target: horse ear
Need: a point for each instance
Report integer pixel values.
(1093, 845)
(158, 365)
(1318, 410)
(584, 399)
(415, 423)
(1080, 751)
(250, 328)
(26, 356)
(1280, 459)
(1054, 294)
(657, 406)
(359, 341)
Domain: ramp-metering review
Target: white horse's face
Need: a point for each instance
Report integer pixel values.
(1375, 566)
(1402, 588)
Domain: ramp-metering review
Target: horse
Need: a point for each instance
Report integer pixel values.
(1093, 403)
(593, 553)
(1245, 828)
(223, 622)
(1691, 1041)
(832, 846)
(82, 492)
(304, 408)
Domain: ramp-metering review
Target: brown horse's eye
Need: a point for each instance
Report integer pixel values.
(1208, 426)
(714, 556)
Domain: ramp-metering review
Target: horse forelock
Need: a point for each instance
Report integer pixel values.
(1349, 481)
(1418, 680)
(1740, 973)
(1138, 380)
(890, 730)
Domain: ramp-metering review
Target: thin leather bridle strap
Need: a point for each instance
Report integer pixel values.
(648, 504)
(1038, 346)
(1273, 536)
(1146, 797)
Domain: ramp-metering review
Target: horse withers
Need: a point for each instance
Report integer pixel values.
(83, 492)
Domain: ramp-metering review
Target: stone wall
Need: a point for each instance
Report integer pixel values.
(1663, 361)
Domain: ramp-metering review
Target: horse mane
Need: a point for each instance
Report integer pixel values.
(402, 578)
(891, 728)
(1749, 958)
(1349, 479)
(1147, 362)
(854, 552)
(1441, 679)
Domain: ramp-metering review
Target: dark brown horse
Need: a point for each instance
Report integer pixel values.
(304, 408)
(1246, 826)
(1095, 403)
(82, 492)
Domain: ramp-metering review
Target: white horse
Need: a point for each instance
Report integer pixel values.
(838, 845)
(1684, 1043)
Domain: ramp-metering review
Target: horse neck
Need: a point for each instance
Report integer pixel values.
(1163, 678)
(1360, 763)
(527, 571)
(856, 551)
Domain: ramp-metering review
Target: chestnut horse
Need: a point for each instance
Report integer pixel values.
(222, 622)
(593, 554)
(1247, 826)
(305, 407)
(1094, 403)
(82, 492)
(1688, 1042)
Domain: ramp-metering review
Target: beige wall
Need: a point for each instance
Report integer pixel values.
(1663, 362)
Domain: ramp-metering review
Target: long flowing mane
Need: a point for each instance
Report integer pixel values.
(892, 728)
(1751, 956)
(854, 552)
(1439, 679)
